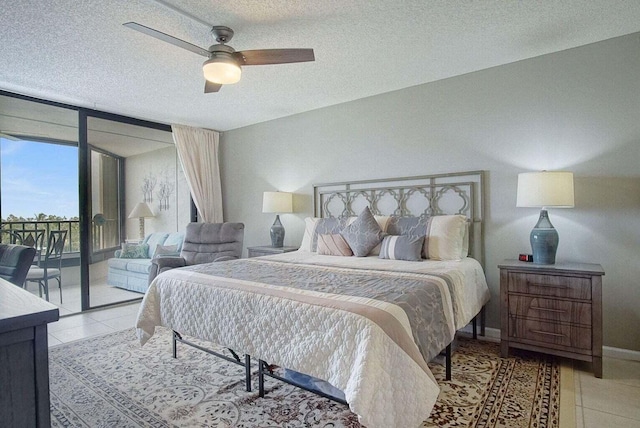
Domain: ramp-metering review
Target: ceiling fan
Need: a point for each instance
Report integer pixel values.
(223, 65)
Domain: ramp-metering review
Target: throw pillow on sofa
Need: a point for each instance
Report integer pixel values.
(134, 251)
(166, 251)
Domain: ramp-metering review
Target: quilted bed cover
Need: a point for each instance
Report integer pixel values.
(366, 325)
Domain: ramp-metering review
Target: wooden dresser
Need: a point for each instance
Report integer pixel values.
(555, 309)
(24, 357)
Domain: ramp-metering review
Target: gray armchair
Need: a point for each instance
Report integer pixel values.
(203, 243)
(15, 261)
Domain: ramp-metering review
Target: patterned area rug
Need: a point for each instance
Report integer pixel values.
(110, 381)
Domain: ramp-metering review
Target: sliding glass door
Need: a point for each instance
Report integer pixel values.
(131, 168)
(87, 172)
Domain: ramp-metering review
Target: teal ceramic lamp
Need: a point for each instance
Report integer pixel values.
(277, 202)
(545, 189)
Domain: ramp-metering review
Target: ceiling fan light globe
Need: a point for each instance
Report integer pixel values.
(223, 71)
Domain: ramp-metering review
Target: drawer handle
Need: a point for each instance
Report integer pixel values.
(537, 284)
(548, 333)
(538, 308)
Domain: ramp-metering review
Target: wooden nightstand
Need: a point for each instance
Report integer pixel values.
(268, 250)
(555, 309)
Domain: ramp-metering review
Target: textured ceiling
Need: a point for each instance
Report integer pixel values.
(78, 52)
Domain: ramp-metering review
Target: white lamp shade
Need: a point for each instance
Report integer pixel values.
(545, 189)
(277, 202)
(141, 210)
(221, 70)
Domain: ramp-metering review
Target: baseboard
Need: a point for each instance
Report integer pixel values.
(620, 353)
(493, 335)
(490, 334)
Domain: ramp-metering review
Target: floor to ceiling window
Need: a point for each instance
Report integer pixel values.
(68, 168)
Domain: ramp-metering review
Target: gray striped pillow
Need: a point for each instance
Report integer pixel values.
(333, 245)
(402, 247)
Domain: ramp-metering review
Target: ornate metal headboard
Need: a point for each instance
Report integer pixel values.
(428, 195)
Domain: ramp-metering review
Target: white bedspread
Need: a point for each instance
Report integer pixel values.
(384, 384)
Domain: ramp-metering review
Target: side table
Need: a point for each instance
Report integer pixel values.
(268, 250)
(554, 309)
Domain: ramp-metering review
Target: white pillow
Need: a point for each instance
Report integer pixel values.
(465, 241)
(445, 237)
(309, 229)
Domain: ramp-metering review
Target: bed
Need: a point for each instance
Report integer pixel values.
(364, 324)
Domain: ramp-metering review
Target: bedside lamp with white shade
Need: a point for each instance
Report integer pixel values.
(279, 203)
(545, 189)
(141, 210)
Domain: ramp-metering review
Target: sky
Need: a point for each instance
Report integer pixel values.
(38, 178)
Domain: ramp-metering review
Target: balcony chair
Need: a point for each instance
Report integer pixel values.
(203, 243)
(15, 261)
(51, 266)
(30, 238)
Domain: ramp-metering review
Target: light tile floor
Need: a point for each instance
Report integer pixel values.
(613, 401)
(93, 323)
(100, 294)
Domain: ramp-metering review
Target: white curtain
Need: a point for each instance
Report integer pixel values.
(198, 153)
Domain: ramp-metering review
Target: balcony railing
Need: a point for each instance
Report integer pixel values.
(105, 236)
(72, 243)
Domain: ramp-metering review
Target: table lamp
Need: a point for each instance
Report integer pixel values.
(277, 202)
(141, 210)
(545, 189)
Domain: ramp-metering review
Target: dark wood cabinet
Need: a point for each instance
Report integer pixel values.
(555, 309)
(268, 250)
(24, 357)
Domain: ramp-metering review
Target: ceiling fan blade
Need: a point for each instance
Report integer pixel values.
(274, 56)
(211, 87)
(167, 38)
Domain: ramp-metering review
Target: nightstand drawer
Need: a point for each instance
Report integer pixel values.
(553, 310)
(545, 333)
(550, 285)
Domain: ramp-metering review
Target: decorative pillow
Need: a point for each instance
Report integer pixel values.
(445, 237)
(327, 226)
(416, 226)
(166, 251)
(134, 251)
(363, 234)
(310, 237)
(383, 222)
(333, 245)
(402, 247)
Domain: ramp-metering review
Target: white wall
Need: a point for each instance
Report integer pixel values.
(576, 110)
(163, 165)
